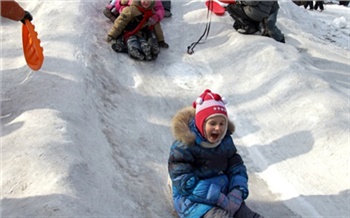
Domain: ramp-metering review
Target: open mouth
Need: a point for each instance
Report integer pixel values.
(214, 136)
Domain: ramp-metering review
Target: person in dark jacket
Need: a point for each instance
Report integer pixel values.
(247, 15)
(209, 178)
(251, 16)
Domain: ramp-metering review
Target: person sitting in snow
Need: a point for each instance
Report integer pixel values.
(209, 178)
(253, 16)
(132, 27)
(115, 7)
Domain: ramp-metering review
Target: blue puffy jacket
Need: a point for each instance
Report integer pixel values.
(200, 174)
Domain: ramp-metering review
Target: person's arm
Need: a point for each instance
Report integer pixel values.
(159, 10)
(12, 10)
(237, 174)
(119, 24)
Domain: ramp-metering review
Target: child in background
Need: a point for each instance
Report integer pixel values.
(115, 7)
(209, 178)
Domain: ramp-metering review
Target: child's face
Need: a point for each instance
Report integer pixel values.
(214, 128)
(146, 3)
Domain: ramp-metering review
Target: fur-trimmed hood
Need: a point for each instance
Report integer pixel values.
(180, 126)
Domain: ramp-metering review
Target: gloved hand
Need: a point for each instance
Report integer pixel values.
(153, 20)
(235, 196)
(27, 16)
(225, 203)
(110, 38)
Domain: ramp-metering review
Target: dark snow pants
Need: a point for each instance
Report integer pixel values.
(242, 20)
(243, 212)
(319, 4)
(142, 48)
(271, 28)
(309, 3)
(166, 5)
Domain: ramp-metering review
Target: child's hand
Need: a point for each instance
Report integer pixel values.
(153, 20)
(226, 204)
(235, 197)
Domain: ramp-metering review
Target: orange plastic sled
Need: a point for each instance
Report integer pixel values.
(32, 50)
(215, 7)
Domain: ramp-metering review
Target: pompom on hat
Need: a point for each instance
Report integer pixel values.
(207, 105)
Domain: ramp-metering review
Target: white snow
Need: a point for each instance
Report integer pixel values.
(88, 135)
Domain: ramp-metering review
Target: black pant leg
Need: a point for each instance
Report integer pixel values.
(166, 5)
(245, 212)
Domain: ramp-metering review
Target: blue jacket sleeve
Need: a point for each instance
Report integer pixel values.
(237, 173)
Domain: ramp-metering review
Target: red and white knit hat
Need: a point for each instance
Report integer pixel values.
(207, 105)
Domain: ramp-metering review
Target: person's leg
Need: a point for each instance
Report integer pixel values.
(245, 212)
(167, 7)
(119, 46)
(134, 48)
(243, 24)
(152, 41)
(110, 12)
(146, 48)
(321, 6)
(237, 11)
(217, 212)
(272, 30)
(160, 36)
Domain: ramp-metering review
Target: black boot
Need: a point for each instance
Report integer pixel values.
(248, 29)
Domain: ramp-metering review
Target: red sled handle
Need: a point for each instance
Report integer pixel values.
(215, 7)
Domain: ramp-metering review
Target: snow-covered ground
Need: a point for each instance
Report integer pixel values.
(88, 134)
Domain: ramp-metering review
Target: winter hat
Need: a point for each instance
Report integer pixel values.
(207, 105)
(146, 4)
